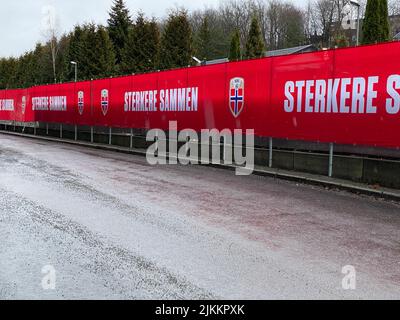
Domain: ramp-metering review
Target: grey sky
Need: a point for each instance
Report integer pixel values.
(22, 20)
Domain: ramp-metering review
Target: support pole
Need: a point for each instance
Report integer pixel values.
(220, 146)
(358, 25)
(131, 140)
(158, 150)
(34, 129)
(271, 145)
(61, 131)
(330, 159)
(110, 137)
(91, 135)
(76, 132)
(47, 129)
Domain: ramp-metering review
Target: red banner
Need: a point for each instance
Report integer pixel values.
(15, 106)
(348, 96)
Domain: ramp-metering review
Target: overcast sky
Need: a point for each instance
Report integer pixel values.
(22, 20)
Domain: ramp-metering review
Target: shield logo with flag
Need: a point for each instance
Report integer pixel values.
(236, 96)
(104, 101)
(81, 102)
(23, 104)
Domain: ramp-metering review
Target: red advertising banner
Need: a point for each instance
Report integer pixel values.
(347, 96)
(15, 106)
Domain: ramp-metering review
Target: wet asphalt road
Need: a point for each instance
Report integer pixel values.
(114, 227)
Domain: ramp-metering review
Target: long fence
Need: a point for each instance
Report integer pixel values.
(343, 96)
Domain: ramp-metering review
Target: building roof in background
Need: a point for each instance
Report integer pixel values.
(294, 50)
(216, 61)
(274, 53)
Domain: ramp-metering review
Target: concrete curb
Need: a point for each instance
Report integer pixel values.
(311, 179)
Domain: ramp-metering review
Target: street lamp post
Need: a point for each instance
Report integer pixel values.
(357, 4)
(75, 64)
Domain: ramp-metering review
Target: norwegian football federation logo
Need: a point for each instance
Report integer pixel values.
(104, 101)
(81, 102)
(23, 104)
(236, 96)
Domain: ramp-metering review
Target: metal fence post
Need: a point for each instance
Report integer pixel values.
(91, 134)
(330, 159)
(61, 131)
(131, 140)
(47, 129)
(270, 152)
(76, 132)
(110, 136)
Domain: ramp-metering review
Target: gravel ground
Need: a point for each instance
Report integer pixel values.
(114, 227)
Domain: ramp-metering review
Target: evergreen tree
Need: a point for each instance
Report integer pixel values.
(255, 43)
(235, 51)
(376, 23)
(106, 54)
(203, 41)
(95, 55)
(176, 43)
(88, 52)
(153, 46)
(42, 64)
(371, 22)
(210, 34)
(75, 52)
(142, 51)
(118, 27)
(24, 72)
(385, 20)
(62, 59)
(7, 72)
